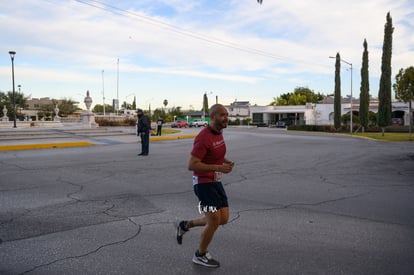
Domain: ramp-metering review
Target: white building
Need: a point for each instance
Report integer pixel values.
(317, 113)
(238, 110)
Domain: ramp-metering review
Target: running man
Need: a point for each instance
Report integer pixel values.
(208, 162)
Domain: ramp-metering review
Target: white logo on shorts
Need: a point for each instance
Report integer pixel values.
(205, 208)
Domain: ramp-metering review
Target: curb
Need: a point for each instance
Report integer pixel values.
(157, 138)
(44, 146)
(80, 143)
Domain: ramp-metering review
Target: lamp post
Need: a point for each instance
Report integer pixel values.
(12, 53)
(350, 101)
(103, 92)
(117, 87)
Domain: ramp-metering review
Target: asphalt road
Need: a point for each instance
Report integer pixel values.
(299, 204)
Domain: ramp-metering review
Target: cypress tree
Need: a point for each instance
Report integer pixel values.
(337, 97)
(205, 104)
(364, 94)
(384, 94)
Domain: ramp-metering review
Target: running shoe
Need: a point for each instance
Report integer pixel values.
(180, 231)
(205, 260)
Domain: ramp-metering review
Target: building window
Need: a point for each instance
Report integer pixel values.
(257, 117)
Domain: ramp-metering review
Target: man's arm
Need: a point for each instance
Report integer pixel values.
(147, 123)
(195, 164)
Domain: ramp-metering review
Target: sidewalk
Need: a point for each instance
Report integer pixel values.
(30, 139)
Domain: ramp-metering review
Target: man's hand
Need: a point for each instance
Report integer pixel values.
(227, 167)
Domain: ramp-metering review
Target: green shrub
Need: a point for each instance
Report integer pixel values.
(315, 128)
(107, 122)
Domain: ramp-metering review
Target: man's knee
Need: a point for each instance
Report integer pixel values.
(213, 219)
(224, 215)
(224, 220)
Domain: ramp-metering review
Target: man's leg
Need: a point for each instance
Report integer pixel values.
(186, 225)
(145, 144)
(213, 220)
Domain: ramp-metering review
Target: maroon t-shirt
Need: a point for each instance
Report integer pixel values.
(208, 146)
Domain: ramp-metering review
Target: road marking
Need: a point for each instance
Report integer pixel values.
(44, 146)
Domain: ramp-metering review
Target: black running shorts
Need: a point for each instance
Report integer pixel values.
(211, 196)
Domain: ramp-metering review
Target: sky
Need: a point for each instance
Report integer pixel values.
(178, 49)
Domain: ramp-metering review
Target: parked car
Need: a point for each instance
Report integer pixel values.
(283, 123)
(179, 124)
(397, 121)
(198, 123)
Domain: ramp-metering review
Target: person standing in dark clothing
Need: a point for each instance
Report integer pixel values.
(159, 126)
(143, 130)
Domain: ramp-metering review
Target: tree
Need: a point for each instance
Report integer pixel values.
(6, 99)
(300, 96)
(175, 112)
(134, 104)
(127, 106)
(205, 103)
(67, 107)
(98, 108)
(337, 98)
(158, 113)
(297, 99)
(149, 109)
(404, 89)
(47, 110)
(384, 94)
(364, 91)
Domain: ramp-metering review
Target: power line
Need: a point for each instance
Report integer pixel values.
(178, 30)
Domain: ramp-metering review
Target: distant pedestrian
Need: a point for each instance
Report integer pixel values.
(159, 125)
(143, 130)
(208, 162)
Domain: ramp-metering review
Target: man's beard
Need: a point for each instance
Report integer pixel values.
(224, 124)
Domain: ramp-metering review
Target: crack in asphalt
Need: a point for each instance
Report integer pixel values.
(293, 205)
(107, 211)
(89, 252)
(15, 217)
(112, 206)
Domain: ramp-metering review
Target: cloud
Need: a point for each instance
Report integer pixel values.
(274, 46)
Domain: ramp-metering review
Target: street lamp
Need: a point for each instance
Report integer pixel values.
(12, 53)
(103, 92)
(117, 88)
(350, 101)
